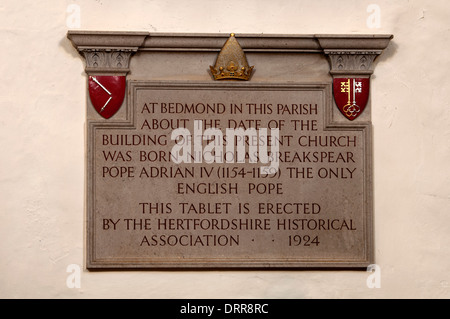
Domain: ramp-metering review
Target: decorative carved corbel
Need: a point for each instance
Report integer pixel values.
(107, 53)
(114, 60)
(352, 55)
(351, 62)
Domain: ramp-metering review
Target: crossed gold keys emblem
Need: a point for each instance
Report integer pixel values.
(351, 95)
(351, 108)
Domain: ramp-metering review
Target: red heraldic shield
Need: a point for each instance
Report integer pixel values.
(107, 93)
(351, 96)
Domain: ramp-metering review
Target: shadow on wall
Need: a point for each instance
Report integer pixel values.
(387, 54)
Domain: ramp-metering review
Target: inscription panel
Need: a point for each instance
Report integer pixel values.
(217, 175)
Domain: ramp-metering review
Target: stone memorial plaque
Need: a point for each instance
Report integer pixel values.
(250, 173)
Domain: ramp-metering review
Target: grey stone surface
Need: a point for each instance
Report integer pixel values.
(333, 182)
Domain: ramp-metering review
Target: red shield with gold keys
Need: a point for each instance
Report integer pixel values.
(107, 93)
(351, 95)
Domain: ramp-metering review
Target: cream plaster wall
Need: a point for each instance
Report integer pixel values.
(42, 118)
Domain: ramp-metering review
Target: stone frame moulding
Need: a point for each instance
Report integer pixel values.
(110, 53)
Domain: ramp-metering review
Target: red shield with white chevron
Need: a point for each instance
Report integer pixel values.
(107, 93)
(351, 96)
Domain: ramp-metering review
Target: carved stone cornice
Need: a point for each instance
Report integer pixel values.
(110, 52)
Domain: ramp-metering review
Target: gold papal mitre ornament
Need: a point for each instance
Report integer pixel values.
(231, 63)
